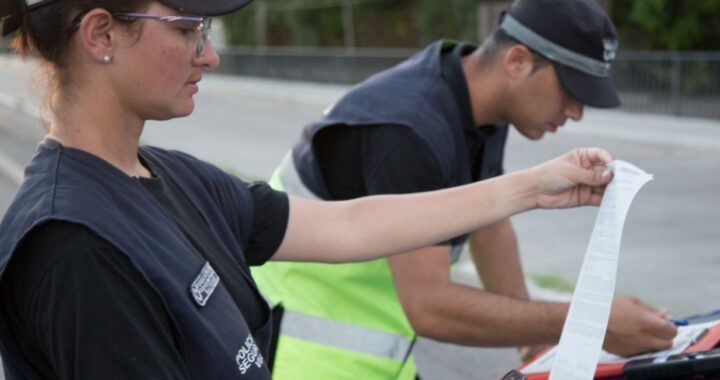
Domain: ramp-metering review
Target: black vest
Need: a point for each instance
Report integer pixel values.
(75, 186)
(415, 94)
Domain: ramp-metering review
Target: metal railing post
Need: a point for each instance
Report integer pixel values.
(676, 84)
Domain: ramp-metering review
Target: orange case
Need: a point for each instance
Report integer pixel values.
(708, 341)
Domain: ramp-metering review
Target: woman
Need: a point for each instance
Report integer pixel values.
(120, 260)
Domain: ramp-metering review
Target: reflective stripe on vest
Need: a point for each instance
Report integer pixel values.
(327, 331)
(346, 336)
(290, 179)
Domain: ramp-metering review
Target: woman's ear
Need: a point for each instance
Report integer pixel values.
(97, 34)
(517, 62)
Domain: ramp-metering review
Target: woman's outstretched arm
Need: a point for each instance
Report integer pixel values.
(371, 227)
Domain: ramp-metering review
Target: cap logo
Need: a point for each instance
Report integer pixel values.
(558, 53)
(610, 45)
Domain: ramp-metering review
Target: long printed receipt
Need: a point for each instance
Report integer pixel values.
(584, 331)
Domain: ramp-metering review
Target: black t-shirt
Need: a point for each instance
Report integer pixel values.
(391, 159)
(376, 159)
(81, 310)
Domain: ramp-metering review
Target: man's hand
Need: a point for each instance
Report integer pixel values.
(574, 179)
(635, 328)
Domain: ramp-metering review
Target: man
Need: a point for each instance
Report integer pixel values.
(437, 120)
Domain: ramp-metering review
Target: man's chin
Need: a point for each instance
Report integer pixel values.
(534, 134)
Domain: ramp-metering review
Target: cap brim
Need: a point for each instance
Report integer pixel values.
(590, 90)
(10, 24)
(10, 17)
(206, 7)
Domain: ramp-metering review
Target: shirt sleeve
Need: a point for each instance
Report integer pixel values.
(270, 222)
(83, 311)
(376, 159)
(395, 160)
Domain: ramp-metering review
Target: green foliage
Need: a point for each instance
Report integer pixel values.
(669, 24)
(643, 24)
(240, 28)
(293, 25)
(381, 23)
(551, 282)
(386, 24)
(456, 19)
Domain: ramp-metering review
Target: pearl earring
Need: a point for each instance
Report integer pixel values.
(106, 58)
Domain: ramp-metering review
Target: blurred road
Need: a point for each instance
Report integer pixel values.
(669, 254)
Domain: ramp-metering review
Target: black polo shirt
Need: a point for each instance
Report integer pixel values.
(391, 159)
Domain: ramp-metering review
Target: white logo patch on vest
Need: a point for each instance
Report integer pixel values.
(248, 355)
(204, 284)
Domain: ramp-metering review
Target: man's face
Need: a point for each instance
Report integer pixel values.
(540, 104)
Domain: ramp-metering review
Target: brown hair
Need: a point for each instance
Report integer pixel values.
(498, 41)
(47, 30)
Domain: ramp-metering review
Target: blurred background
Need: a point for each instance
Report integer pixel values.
(668, 62)
(285, 61)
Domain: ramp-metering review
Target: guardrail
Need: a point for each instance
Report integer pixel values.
(683, 84)
(326, 65)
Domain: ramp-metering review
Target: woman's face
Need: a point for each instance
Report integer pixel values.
(157, 70)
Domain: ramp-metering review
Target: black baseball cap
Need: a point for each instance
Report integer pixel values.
(11, 11)
(577, 36)
(206, 7)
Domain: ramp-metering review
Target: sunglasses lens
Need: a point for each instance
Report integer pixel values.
(204, 36)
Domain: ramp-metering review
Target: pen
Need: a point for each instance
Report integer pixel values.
(679, 322)
(702, 317)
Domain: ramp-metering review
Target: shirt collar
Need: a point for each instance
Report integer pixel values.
(455, 78)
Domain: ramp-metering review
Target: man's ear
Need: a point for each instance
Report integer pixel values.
(96, 32)
(517, 62)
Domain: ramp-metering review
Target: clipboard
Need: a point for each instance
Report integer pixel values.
(701, 364)
(703, 335)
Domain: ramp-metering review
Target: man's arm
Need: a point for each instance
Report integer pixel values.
(442, 310)
(494, 251)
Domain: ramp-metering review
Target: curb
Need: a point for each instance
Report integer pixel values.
(642, 128)
(623, 125)
(11, 169)
(19, 105)
(466, 272)
(273, 90)
(648, 128)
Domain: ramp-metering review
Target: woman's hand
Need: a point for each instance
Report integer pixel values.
(574, 179)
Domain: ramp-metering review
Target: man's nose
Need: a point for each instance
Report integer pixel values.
(573, 109)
